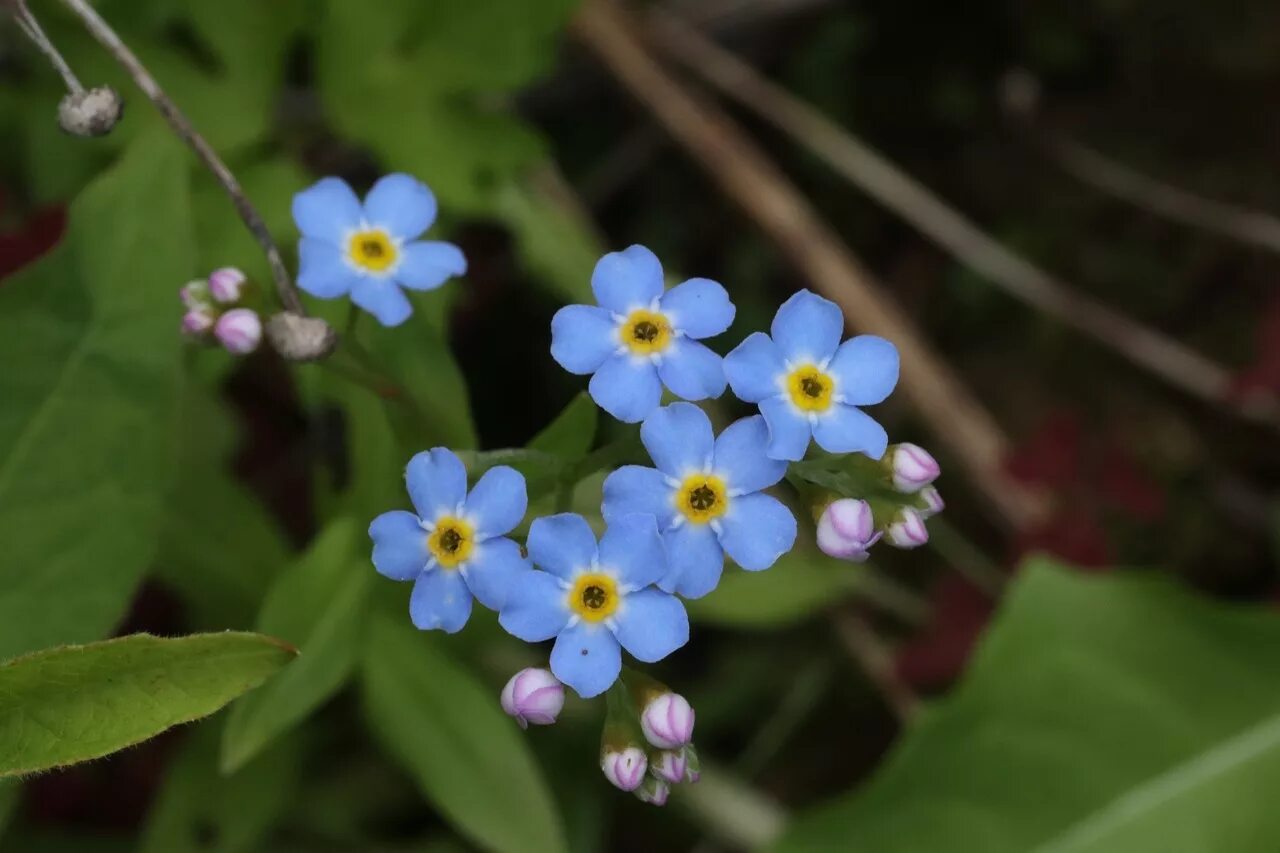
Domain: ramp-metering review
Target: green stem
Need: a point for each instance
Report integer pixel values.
(967, 558)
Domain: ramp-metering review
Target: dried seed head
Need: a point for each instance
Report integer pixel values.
(92, 112)
(299, 338)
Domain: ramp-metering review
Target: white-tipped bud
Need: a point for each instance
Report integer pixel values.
(667, 721)
(847, 529)
(670, 765)
(299, 338)
(654, 792)
(533, 696)
(913, 467)
(197, 321)
(226, 285)
(907, 530)
(92, 112)
(239, 331)
(933, 503)
(195, 294)
(625, 769)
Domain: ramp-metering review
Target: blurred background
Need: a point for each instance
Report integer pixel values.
(1058, 210)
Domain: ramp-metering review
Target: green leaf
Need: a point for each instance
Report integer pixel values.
(89, 344)
(1101, 714)
(75, 703)
(447, 730)
(319, 606)
(200, 810)
(800, 584)
(573, 431)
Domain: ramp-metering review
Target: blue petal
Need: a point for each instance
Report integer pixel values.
(562, 544)
(866, 370)
(698, 307)
(402, 204)
(631, 546)
(754, 368)
(696, 560)
(587, 658)
(651, 625)
(756, 531)
(582, 337)
(536, 608)
(426, 265)
(382, 298)
(327, 210)
(626, 387)
(679, 439)
(437, 482)
(807, 328)
(628, 279)
(844, 429)
(498, 502)
(691, 370)
(789, 431)
(493, 570)
(323, 270)
(441, 600)
(633, 488)
(399, 545)
(742, 458)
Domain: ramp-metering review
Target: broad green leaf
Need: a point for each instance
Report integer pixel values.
(449, 733)
(89, 344)
(319, 606)
(200, 810)
(555, 239)
(573, 431)
(75, 703)
(799, 585)
(1102, 714)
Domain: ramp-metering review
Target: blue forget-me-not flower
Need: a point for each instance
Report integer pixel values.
(705, 494)
(371, 251)
(640, 338)
(807, 383)
(595, 600)
(453, 548)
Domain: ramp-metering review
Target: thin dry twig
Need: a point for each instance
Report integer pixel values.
(860, 641)
(759, 187)
(1173, 362)
(108, 38)
(31, 28)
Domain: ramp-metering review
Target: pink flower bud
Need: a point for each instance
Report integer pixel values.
(533, 696)
(670, 766)
(668, 721)
(907, 530)
(624, 769)
(226, 284)
(933, 503)
(653, 791)
(197, 321)
(913, 467)
(239, 330)
(195, 294)
(847, 529)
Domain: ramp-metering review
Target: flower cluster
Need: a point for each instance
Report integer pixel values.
(218, 308)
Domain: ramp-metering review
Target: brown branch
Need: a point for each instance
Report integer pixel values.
(747, 176)
(108, 38)
(1173, 362)
(862, 644)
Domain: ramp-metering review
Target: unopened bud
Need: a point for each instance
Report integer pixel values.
(670, 765)
(195, 294)
(533, 696)
(933, 503)
(847, 529)
(667, 721)
(197, 321)
(624, 769)
(912, 467)
(654, 791)
(299, 338)
(92, 112)
(907, 530)
(239, 330)
(226, 285)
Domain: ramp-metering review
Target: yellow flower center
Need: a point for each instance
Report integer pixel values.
(702, 497)
(373, 250)
(452, 542)
(810, 389)
(594, 596)
(645, 332)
